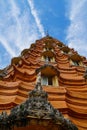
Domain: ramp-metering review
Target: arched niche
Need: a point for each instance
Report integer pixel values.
(76, 60)
(65, 50)
(24, 52)
(16, 61)
(60, 44)
(49, 75)
(48, 56)
(48, 46)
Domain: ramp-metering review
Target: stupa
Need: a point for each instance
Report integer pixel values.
(48, 67)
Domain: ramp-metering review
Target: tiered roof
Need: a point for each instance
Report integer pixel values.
(70, 96)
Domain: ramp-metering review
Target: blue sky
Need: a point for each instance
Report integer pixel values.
(24, 21)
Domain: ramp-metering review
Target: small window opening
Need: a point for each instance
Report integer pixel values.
(46, 80)
(76, 63)
(48, 58)
(49, 80)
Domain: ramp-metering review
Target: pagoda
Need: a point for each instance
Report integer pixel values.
(44, 88)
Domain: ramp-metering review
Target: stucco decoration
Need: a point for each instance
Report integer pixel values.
(36, 106)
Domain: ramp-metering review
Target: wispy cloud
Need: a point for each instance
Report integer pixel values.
(7, 47)
(35, 15)
(17, 28)
(15, 14)
(77, 30)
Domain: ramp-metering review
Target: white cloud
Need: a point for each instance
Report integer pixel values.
(77, 32)
(17, 28)
(7, 47)
(35, 15)
(15, 12)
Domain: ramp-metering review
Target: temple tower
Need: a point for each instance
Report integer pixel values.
(57, 69)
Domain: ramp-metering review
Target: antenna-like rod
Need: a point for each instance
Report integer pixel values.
(47, 33)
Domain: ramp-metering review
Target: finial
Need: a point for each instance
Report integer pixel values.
(47, 33)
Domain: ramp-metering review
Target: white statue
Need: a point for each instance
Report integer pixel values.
(38, 82)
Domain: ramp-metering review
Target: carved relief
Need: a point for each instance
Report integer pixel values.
(36, 106)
